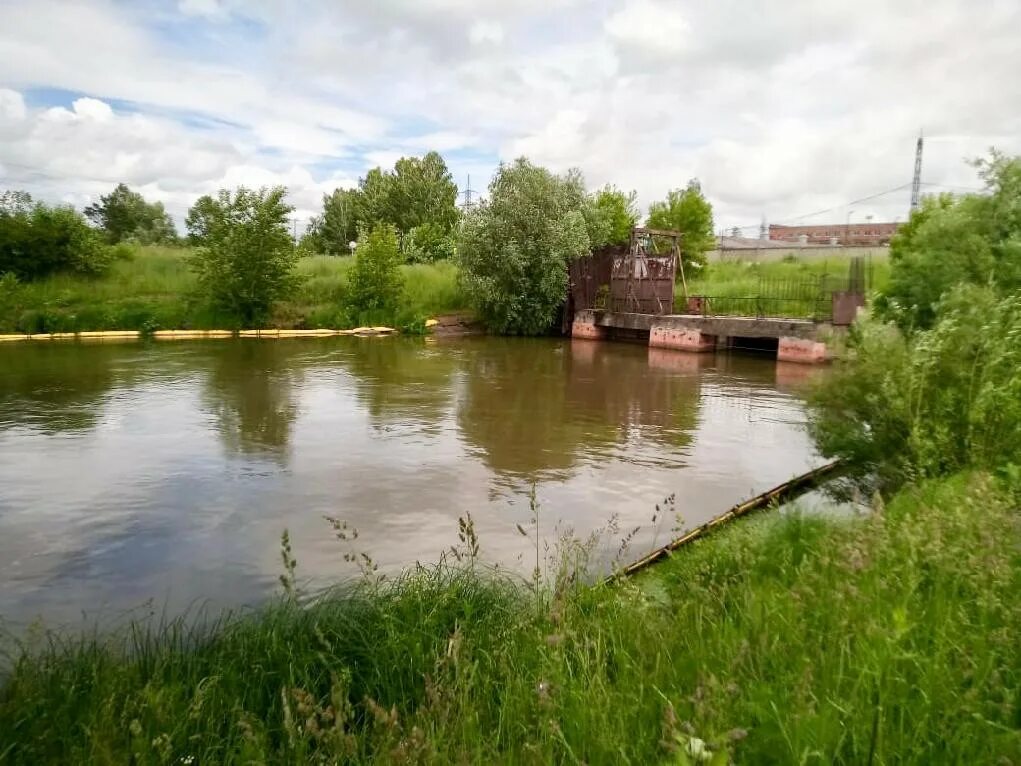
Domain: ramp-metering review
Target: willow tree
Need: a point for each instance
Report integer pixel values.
(514, 247)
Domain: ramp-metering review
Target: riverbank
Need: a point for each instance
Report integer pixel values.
(889, 637)
(156, 289)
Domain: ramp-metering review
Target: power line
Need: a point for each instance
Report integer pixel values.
(852, 202)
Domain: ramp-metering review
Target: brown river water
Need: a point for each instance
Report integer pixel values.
(161, 475)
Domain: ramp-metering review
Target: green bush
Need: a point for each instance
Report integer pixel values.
(427, 243)
(375, 283)
(942, 400)
(37, 240)
(247, 258)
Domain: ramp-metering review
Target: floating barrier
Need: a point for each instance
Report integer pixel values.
(197, 334)
(780, 493)
(191, 334)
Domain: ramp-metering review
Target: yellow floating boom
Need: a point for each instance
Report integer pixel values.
(196, 334)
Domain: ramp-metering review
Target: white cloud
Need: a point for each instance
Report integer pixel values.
(485, 33)
(779, 110)
(650, 26)
(12, 105)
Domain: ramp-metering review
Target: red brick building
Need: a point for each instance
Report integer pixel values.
(835, 233)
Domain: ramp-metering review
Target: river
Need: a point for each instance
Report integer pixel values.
(161, 475)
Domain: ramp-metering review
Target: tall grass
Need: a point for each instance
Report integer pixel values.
(155, 288)
(786, 639)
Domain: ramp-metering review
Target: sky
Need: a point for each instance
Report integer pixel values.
(794, 112)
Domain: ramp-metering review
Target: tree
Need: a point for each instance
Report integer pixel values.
(247, 258)
(689, 212)
(338, 225)
(199, 217)
(620, 211)
(949, 241)
(418, 198)
(375, 284)
(36, 240)
(514, 248)
(125, 215)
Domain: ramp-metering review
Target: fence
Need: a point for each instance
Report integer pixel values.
(824, 298)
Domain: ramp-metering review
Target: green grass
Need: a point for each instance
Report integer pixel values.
(782, 639)
(156, 289)
(744, 279)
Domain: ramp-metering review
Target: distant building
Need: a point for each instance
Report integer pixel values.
(835, 233)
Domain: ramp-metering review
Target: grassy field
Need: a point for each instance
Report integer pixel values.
(156, 289)
(889, 638)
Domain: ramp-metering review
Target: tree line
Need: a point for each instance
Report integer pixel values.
(512, 248)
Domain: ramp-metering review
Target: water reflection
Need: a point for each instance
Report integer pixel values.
(57, 386)
(402, 380)
(251, 390)
(169, 470)
(535, 416)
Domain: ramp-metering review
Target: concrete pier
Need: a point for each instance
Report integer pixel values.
(796, 340)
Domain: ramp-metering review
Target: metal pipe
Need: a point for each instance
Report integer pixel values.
(782, 492)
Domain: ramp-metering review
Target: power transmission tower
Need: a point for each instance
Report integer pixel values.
(468, 194)
(916, 181)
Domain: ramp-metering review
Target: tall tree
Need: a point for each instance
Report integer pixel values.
(514, 248)
(970, 239)
(620, 210)
(337, 228)
(689, 212)
(418, 198)
(125, 215)
(247, 259)
(199, 218)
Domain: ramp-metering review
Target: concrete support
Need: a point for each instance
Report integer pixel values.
(584, 326)
(801, 350)
(681, 339)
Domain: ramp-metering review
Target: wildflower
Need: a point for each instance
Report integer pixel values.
(699, 750)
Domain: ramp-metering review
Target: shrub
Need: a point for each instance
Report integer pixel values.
(247, 259)
(375, 284)
(514, 248)
(427, 243)
(36, 240)
(945, 399)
